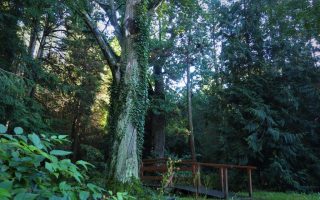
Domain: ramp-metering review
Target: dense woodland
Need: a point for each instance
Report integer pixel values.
(233, 81)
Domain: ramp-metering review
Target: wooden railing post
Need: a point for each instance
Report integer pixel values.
(226, 187)
(222, 179)
(141, 170)
(250, 182)
(199, 175)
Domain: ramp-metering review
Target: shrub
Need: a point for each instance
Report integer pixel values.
(31, 169)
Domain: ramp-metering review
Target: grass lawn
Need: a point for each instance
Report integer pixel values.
(262, 195)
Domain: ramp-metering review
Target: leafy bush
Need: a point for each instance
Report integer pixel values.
(31, 169)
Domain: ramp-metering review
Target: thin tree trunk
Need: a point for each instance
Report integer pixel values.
(31, 52)
(75, 140)
(158, 117)
(75, 135)
(46, 31)
(190, 122)
(33, 38)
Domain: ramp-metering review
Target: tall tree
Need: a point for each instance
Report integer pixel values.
(130, 21)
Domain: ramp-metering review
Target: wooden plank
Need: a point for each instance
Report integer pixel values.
(226, 166)
(185, 169)
(201, 190)
(163, 169)
(154, 169)
(156, 178)
(190, 162)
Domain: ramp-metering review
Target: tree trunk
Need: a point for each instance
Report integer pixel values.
(190, 122)
(46, 31)
(158, 116)
(124, 159)
(129, 85)
(31, 52)
(75, 140)
(130, 95)
(75, 134)
(33, 38)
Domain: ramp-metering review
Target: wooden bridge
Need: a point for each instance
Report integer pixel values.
(153, 171)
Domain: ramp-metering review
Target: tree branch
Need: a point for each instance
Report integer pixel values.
(111, 57)
(110, 10)
(153, 6)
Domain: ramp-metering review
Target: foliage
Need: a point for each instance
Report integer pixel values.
(254, 72)
(32, 169)
(133, 189)
(265, 195)
(256, 86)
(262, 105)
(167, 178)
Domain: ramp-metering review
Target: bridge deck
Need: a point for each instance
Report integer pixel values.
(201, 190)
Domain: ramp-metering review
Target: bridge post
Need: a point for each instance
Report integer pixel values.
(226, 187)
(141, 170)
(222, 179)
(250, 182)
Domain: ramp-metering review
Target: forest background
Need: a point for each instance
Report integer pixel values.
(240, 77)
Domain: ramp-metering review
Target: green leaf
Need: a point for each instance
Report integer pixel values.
(18, 175)
(84, 195)
(22, 137)
(97, 196)
(64, 186)
(61, 137)
(84, 164)
(6, 185)
(18, 130)
(119, 196)
(60, 153)
(25, 196)
(4, 193)
(50, 167)
(36, 140)
(3, 129)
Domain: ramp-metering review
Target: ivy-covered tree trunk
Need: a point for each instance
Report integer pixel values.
(129, 86)
(130, 95)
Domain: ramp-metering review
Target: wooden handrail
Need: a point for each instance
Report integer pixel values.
(214, 165)
(227, 166)
(157, 165)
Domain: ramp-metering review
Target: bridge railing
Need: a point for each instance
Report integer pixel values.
(153, 169)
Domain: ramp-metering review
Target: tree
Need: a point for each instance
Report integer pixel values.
(129, 84)
(267, 89)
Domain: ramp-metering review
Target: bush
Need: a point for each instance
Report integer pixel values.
(31, 169)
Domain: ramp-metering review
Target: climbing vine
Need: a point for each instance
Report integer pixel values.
(129, 95)
(140, 104)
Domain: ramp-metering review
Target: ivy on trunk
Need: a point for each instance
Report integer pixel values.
(129, 85)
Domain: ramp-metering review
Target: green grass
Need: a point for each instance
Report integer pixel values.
(263, 195)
